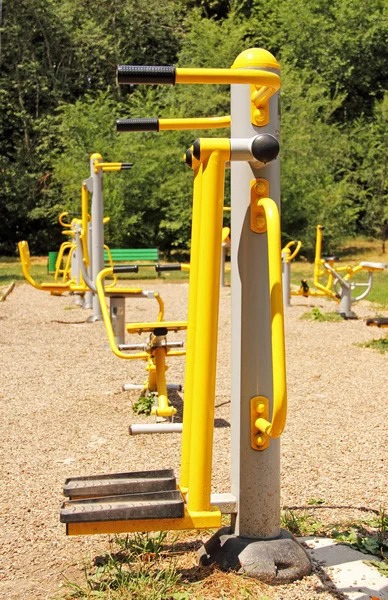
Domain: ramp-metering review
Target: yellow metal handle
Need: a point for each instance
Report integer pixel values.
(279, 410)
(62, 222)
(287, 249)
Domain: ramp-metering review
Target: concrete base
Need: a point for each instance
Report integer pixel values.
(93, 319)
(78, 300)
(281, 560)
(349, 315)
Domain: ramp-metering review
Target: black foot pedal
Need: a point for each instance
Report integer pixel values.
(154, 505)
(378, 322)
(119, 484)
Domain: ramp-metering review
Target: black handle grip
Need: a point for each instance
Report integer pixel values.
(126, 269)
(146, 74)
(172, 267)
(125, 125)
(126, 166)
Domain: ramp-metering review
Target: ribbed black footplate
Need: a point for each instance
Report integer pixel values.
(154, 505)
(116, 484)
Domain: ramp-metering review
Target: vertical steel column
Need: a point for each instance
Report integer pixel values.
(117, 316)
(89, 295)
(76, 271)
(255, 543)
(97, 211)
(222, 270)
(255, 474)
(286, 279)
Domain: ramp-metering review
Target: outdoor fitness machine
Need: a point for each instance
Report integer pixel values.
(154, 352)
(339, 280)
(149, 501)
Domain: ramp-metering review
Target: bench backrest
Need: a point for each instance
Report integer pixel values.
(131, 254)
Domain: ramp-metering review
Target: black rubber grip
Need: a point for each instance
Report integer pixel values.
(197, 149)
(172, 267)
(126, 125)
(125, 166)
(126, 269)
(145, 74)
(189, 158)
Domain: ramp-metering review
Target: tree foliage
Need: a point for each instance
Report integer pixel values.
(59, 100)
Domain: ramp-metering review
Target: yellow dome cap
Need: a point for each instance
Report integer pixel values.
(255, 57)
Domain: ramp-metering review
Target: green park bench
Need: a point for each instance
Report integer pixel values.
(134, 254)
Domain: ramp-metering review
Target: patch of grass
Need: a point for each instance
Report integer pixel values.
(316, 501)
(370, 538)
(317, 315)
(116, 577)
(144, 404)
(301, 522)
(380, 345)
(143, 545)
(169, 573)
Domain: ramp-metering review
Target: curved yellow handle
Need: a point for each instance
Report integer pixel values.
(279, 411)
(62, 222)
(287, 249)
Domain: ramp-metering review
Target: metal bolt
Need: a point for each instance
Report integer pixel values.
(259, 440)
(259, 115)
(260, 222)
(260, 188)
(260, 408)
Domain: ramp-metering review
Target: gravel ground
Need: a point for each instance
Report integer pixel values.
(63, 413)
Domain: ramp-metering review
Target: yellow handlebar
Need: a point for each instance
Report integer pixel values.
(279, 411)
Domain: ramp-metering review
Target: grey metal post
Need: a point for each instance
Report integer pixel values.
(76, 272)
(256, 544)
(97, 231)
(89, 295)
(345, 307)
(255, 474)
(117, 316)
(222, 270)
(286, 280)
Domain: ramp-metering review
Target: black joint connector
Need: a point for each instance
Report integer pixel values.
(126, 269)
(265, 148)
(189, 158)
(158, 331)
(146, 74)
(197, 149)
(128, 125)
(171, 267)
(126, 166)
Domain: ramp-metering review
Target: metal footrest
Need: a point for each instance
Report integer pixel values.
(153, 505)
(119, 484)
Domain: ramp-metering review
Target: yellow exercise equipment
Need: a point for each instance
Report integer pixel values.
(154, 351)
(339, 285)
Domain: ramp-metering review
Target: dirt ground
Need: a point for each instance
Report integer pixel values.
(63, 413)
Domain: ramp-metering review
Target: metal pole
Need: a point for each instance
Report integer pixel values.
(222, 274)
(255, 474)
(76, 272)
(89, 295)
(286, 280)
(117, 317)
(255, 543)
(97, 230)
